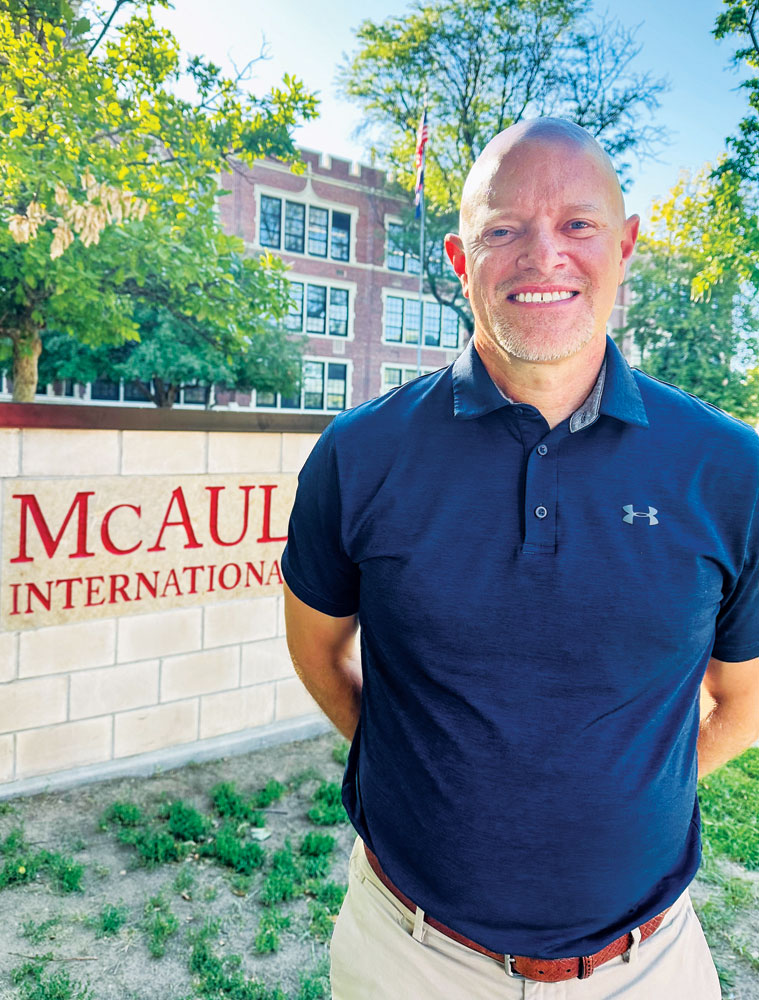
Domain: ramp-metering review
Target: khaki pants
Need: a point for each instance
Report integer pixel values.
(379, 952)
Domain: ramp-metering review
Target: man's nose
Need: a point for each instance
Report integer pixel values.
(541, 249)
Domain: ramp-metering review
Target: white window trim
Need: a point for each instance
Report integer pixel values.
(396, 293)
(325, 360)
(314, 279)
(317, 202)
(396, 220)
(426, 370)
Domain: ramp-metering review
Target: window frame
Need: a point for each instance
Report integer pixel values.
(389, 293)
(350, 212)
(325, 362)
(410, 261)
(330, 285)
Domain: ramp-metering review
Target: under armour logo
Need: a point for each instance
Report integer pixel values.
(631, 514)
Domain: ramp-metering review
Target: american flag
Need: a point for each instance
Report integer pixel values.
(422, 136)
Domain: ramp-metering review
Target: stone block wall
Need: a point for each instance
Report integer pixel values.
(112, 689)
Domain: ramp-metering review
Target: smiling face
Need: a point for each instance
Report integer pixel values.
(543, 245)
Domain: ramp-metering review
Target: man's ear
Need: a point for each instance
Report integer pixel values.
(454, 247)
(629, 237)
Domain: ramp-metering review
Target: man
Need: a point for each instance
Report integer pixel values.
(548, 554)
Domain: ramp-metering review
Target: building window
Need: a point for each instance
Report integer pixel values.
(295, 227)
(266, 398)
(324, 388)
(394, 319)
(316, 309)
(318, 223)
(326, 310)
(134, 394)
(269, 232)
(335, 386)
(392, 376)
(196, 394)
(326, 229)
(289, 402)
(104, 388)
(313, 385)
(395, 255)
(397, 258)
(338, 312)
(339, 246)
(432, 324)
(440, 324)
(412, 263)
(450, 328)
(64, 387)
(294, 319)
(411, 315)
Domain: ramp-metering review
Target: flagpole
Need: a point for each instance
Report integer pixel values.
(421, 142)
(421, 288)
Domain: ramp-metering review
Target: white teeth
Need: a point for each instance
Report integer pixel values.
(542, 296)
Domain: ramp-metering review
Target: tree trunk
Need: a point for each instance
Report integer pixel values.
(27, 347)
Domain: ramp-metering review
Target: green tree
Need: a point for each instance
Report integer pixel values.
(173, 354)
(484, 65)
(708, 344)
(735, 250)
(109, 186)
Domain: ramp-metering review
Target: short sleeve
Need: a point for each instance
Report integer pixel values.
(314, 563)
(737, 630)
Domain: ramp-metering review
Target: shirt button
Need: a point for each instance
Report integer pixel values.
(542, 449)
(541, 512)
(518, 410)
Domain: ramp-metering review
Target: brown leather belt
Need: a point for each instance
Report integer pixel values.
(542, 970)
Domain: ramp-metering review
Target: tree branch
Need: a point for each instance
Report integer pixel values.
(117, 7)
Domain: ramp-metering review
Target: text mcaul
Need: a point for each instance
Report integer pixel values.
(80, 549)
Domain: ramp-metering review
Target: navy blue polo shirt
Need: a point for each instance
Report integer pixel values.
(537, 610)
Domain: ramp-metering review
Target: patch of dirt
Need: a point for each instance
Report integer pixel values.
(121, 967)
(739, 929)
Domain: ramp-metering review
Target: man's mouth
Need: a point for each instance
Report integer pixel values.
(558, 296)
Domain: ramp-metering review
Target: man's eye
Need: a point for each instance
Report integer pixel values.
(578, 224)
(502, 233)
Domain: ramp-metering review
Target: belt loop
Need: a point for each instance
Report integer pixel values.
(419, 927)
(631, 955)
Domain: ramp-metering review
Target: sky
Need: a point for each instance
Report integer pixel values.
(310, 40)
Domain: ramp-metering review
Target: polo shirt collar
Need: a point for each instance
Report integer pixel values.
(615, 393)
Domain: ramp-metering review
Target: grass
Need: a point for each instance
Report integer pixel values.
(36, 933)
(729, 799)
(224, 831)
(21, 865)
(328, 805)
(229, 803)
(219, 977)
(111, 920)
(729, 803)
(159, 925)
(267, 936)
(35, 984)
(288, 893)
(315, 986)
(184, 883)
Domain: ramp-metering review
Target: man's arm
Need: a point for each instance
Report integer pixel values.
(729, 712)
(327, 660)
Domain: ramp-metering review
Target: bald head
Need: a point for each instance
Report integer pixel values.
(506, 148)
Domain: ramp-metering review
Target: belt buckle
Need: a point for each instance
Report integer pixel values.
(508, 962)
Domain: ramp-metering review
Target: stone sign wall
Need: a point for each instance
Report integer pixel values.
(141, 618)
